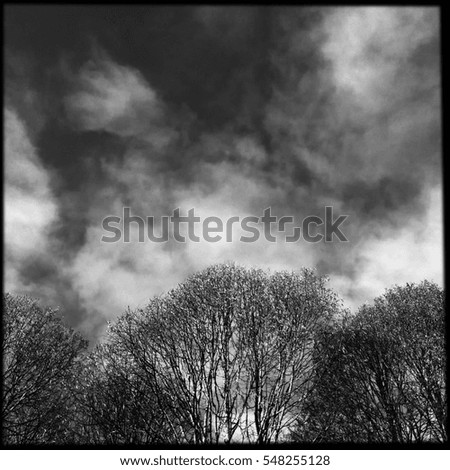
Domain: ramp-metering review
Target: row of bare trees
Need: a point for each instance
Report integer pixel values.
(232, 355)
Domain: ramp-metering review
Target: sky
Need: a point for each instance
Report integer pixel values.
(227, 110)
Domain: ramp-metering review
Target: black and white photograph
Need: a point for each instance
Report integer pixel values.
(223, 227)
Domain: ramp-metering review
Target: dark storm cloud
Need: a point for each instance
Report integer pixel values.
(229, 110)
(213, 59)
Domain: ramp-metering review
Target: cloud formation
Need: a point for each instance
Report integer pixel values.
(292, 108)
(30, 207)
(368, 48)
(114, 98)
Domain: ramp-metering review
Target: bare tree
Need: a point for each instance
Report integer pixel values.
(116, 402)
(383, 374)
(188, 347)
(282, 320)
(228, 352)
(39, 353)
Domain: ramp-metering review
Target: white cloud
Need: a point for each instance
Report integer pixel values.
(117, 99)
(30, 207)
(111, 276)
(369, 46)
(411, 254)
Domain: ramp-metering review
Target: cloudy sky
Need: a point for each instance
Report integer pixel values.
(229, 111)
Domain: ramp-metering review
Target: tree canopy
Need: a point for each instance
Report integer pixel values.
(232, 355)
(39, 353)
(382, 373)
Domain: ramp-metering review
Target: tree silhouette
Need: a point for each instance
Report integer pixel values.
(232, 355)
(228, 353)
(382, 377)
(39, 353)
